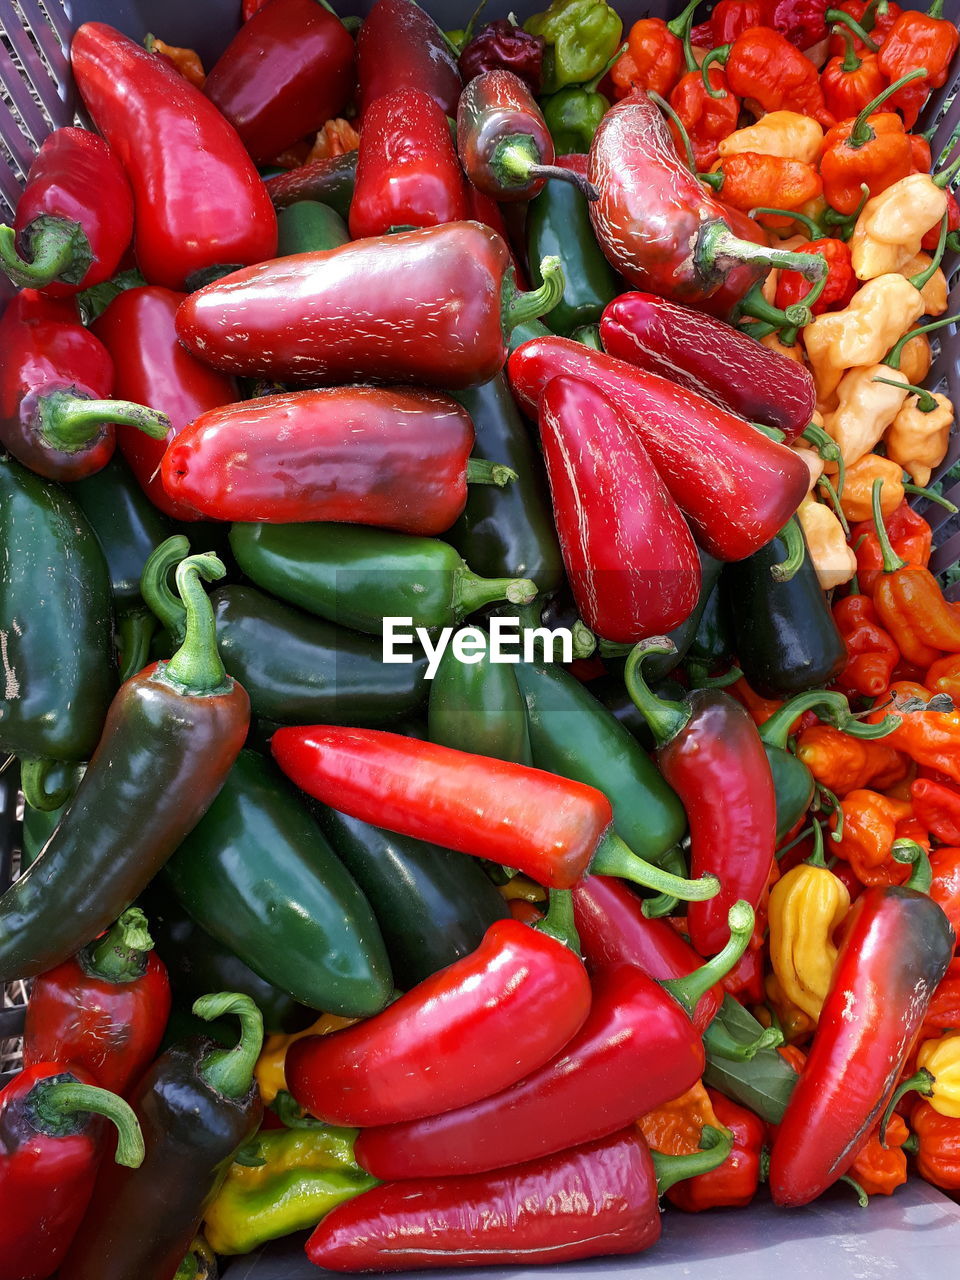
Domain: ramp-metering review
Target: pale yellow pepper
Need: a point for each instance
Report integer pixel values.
(856, 499)
(830, 556)
(772, 342)
(877, 315)
(941, 1057)
(268, 1072)
(918, 441)
(934, 292)
(916, 357)
(865, 409)
(892, 224)
(806, 906)
(812, 461)
(778, 133)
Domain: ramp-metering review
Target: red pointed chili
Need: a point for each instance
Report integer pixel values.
(399, 46)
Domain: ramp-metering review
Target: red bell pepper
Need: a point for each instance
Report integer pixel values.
(734, 1183)
(55, 380)
(286, 71)
(466, 1032)
(74, 220)
(551, 828)
(199, 202)
(50, 1146)
(896, 946)
(503, 141)
(710, 752)
(392, 457)
(659, 226)
(104, 1010)
(630, 557)
(433, 306)
(408, 174)
(637, 1049)
(399, 46)
(150, 365)
(706, 355)
(736, 487)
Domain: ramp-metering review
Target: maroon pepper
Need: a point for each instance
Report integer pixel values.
(630, 557)
(56, 377)
(710, 357)
(399, 46)
(286, 71)
(74, 219)
(505, 46)
(709, 751)
(408, 174)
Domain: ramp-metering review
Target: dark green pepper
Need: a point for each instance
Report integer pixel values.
(478, 707)
(712, 646)
(307, 226)
(573, 116)
(329, 181)
(39, 824)
(259, 876)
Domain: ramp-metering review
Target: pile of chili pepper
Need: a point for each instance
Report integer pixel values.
(614, 338)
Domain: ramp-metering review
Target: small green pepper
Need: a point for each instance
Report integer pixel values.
(573, 115)
(581, 37)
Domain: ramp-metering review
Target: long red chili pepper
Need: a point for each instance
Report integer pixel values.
(896, 947)
(74, 219)
(433, 306)
(390, 456)
(706, 355)
(199, 202)
(637, 1049)
(550, 827)
(399, 46)
(284, 73)
(462, 1034)
(710, 752)
(104, 1010)
(630, 557)
(736, 487)
(55, 380)
(408, 174)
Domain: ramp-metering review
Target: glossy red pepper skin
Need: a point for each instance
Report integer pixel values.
(420, 306)
(472, 1029)
(736, 487)
(152, 367)
(408, 174)
(392, 456)
(77, 183)
(896, 946)
(198, 200)
(841, 285)
(592, 1200)
(636, 1050)
(613, 930)
(945, 890)
(285, 72)
(630, 557)
(710, 357)
(734, 1184)
(496, 107)
(399, 46)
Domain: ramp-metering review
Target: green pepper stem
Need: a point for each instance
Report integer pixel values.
(134, 633)
(719, 249)
(715, 55)
(895, 354)
(922, 277)
(891, 561)
(665, 904)
(480, 471)
(471, 592)
(850, 25)
(915, 855)
(35, 772)
(230, 1071)
(861, 133)
(816, 858)
(120, 956)
(196, 665)
(589, 335)
(936, 9)
(69, 422)
(723, 1044)
(689, 990)
(945, 176)
(584, 642)
(862, 1198)
(925, 401)
(683, 21)
(155, 585)
(558, 922)
(930, 496)
(669, 112)
(716, 1146)
(614, 858)
(816, 231)
(524, 307)
(921, 1083)
(824, 482)
(850, 60)
(666, 719)
(516, 161)
(753, 303)
(792, 536)
(292, 1115)
(55, 1103)
(833, 708)
(593, 85)
(827, 448)
(54, 248)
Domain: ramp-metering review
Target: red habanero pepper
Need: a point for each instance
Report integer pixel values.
(736, 487)
(872, 653)
(55, 384)
(408, 174)
(932, 239)
(433, 306)
(943, 1012)
(876, 19)
(51, 1142)
(284, 73)
(708, 118)
(388, 456)
(710, 752)
(882, 1167)
(938, 1149)
(399, 46)
(749, 180)
(74, 220)
(654, 57)
(199, 202)
(464, 1033)
(502, 45)
(930, 738)
(764, 67)
(803, 22)
(923, 163)
(896, 946)
(937, 806)
(728, 19)
(871, 824)
(851, 80)
(945, 888)
(910, 536)
(708, 356)
(636, 1049)
(918, 40)
(943, 676)
(104, 1010)
(630, 557)
(734, 1183)
(872, 150)
(151, 366)
(841, 284)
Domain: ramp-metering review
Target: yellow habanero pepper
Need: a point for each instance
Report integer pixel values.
(806, 906)
(779, 133)
(941, 1058)
(269, 1069)
(856, 500)
(917, 441)
(865, 408)
(833, 560)
(916, 357)
(892, 224)
(934, 292)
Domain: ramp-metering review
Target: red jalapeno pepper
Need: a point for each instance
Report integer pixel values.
(199, 202)
(399, 46)
(105, 1009)
(710, 752)
(74, 219)
(286, 71)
